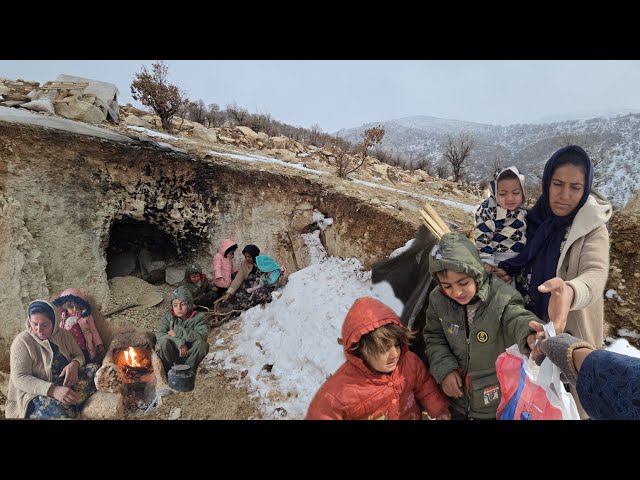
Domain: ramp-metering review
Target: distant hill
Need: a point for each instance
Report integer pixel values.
(528, 146)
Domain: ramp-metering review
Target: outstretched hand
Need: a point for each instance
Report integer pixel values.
(559, 303)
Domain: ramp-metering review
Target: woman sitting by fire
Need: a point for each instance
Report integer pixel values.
(182, 335)
(49, 378)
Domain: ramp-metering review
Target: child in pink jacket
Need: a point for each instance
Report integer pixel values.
(76, 317)
(223, 265)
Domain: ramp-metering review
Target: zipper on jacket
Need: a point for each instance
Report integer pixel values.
(464, 381)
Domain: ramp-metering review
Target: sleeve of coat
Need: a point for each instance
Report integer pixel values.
(22, 371)
(94, 331)
(426, 389)
(483, 232)
(237, 281)
(515, 324)
(441, 358)
(163, 329)
(589, 285)
(198, 330)
(217, 266)
(325, 406)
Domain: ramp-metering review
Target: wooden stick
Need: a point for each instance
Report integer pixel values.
(433, 214)
(431, 224)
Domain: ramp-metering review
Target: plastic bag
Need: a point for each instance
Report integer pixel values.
(532, 392)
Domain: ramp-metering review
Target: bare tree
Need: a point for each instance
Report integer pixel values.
(236, 113)
(197, 112)
(215, 117)
(315, 134)
(342, 160)
(442, 168)
(456, 151)
(153, 90)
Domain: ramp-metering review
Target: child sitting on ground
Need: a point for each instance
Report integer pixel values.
(381, 379)
(196, 282)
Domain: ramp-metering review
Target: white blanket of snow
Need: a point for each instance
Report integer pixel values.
(151, 133)
(260, 158)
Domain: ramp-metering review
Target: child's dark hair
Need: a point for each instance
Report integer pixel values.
(380, 340)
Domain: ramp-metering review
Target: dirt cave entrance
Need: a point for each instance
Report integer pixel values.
(139, 249)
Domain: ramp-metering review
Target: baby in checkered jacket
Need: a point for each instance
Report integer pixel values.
(500, 224)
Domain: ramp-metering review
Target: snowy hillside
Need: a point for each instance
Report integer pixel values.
(528, 146)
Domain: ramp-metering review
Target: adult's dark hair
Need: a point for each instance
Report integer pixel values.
(251, 250)
(43, 308)
(575, 156)
(232, 248)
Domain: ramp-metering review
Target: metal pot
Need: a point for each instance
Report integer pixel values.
(181, 378)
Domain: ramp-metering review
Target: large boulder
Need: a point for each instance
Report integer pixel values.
(80, 110)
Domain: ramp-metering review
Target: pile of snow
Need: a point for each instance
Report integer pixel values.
(297, 334)
(151, 133)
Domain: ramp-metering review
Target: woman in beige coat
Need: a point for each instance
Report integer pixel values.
(48, 377)
(564, 267)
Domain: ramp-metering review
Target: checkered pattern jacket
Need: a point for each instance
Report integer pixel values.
(498, 230)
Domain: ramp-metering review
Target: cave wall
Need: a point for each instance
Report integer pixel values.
(66, 190)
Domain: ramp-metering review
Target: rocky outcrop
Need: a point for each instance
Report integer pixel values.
(22, 276)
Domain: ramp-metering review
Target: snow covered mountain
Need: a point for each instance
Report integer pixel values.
(614, 139)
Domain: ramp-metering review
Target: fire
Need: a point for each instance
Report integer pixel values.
(130, 356)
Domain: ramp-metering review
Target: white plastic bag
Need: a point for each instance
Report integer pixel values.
(532, 392)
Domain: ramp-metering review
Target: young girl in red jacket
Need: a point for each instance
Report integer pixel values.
(381, 379)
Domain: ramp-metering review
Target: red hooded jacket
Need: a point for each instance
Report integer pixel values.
(354, 392)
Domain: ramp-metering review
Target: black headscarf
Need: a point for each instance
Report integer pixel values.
(252, 250)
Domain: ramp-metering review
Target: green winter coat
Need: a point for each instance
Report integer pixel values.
(190, 330)
(198, 291)
(500, 321)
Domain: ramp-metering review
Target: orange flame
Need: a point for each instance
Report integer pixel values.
(130, 356)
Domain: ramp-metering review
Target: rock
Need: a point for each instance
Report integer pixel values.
(204, 134)
(174, 274)
(103, 405)
(42, 105)
(175, 413)
(280, 142)
(247, 132)
(301, 219)
(136, 121)
(75, 109)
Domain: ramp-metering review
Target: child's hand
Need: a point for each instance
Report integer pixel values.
(489, 268)
(452, 384)
(502, 275)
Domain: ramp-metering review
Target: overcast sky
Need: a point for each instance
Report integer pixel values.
(347, 93)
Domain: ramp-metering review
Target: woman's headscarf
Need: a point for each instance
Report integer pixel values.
(545, 231)
(251, 250)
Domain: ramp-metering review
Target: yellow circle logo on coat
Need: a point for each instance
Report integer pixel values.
(482, 336)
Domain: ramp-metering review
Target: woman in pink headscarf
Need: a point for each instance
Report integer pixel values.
(77, 317)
